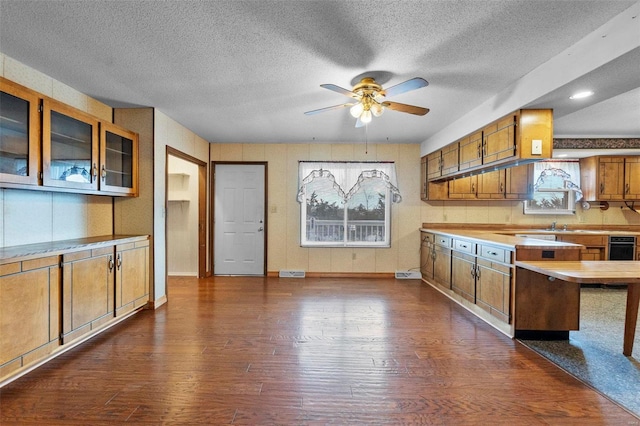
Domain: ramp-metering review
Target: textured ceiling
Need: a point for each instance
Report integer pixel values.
(246, 71)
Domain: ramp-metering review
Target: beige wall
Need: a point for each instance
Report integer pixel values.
(38, 216)
(284, 251)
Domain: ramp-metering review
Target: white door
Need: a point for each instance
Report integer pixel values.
(239, 219)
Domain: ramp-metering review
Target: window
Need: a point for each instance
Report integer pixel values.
(556, 188)
(345, 204)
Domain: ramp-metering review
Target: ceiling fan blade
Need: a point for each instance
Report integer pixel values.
(413, 84)
(316, 111)
(411, 109)
(340, 90)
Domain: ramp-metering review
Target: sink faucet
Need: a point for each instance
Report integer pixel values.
(553, 226)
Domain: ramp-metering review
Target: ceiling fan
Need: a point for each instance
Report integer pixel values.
(370, 99)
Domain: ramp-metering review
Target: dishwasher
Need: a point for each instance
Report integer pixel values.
(622, 247)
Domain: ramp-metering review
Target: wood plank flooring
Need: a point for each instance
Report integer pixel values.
(263, 351)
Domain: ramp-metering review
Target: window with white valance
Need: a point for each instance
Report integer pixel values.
(345, 204)
(556, 187)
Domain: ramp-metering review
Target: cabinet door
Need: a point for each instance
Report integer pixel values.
(470, 151)
(69, 147)
(88, 291)
(632, 178)
(449, 159)
(493, 289)
(118, 160)
(442, 266)
(424, 195)
(611, 178)
(463, 275)
(426, 256)
(463, 188)
(29, 311)
(19, 134)
(132, 276)
(434, 165)
(499, 140)
(491, 185)
(519, 182)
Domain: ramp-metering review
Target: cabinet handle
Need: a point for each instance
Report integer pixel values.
(95, 171)
(479, 152)
(478, 273)
(626, 189)
(601, 188)
(110, 263)
(118, 261)
(473, 188)
(104, 172)
(501, 187)
(473, 271)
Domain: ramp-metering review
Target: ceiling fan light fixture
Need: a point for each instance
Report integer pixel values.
(366, 117)
(377, 109)
(356, 110)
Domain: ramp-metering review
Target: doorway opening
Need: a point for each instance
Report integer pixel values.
(186, 221)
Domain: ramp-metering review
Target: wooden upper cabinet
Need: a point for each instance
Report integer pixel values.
(424, 195)
(519, 182)
(491, 185)
(610, 178)
(632, 178)
(470, 151)
(449, 159)
(118, 160)
(434, 165)
(499, 140)
(69, 147)
(19, 134)
(463, 188)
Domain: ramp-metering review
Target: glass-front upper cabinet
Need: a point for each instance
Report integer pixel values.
(69, 147)
(19, 134)
(118, 160)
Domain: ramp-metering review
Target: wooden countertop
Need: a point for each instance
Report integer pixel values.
(32, 251)
(506, 241)
(588, 271)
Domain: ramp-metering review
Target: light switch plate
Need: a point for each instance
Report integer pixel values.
(536, 147)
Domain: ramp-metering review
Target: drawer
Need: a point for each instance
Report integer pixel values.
(495, 253)
(442, 240)
(464, 246)
(426, 237)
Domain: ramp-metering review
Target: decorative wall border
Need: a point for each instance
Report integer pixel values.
(600, 143)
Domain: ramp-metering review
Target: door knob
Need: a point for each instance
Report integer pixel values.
(260, 229)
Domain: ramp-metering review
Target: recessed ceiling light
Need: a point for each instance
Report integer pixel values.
(581, 95)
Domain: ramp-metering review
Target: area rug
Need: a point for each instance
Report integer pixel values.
(594, 353)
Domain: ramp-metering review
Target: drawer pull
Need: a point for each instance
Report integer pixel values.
(463, 245)
(551, 278)
(492, 253)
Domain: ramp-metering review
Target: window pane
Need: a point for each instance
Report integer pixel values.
(366, 212)
(325, 211)
(14, 135)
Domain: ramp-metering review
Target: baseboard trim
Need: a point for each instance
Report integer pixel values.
(275, 274)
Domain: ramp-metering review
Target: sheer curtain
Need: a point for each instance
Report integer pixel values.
(558, 174)
(347, 177)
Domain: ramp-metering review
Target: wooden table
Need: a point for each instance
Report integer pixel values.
(595, 272)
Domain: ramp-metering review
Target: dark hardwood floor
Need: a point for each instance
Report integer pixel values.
(260, 351)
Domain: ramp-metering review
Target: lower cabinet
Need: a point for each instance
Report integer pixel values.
(47, 302)
(493, 288)
(29, 312)
(463, 275)
(132, 276)
(442, 260)
(87, 291)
